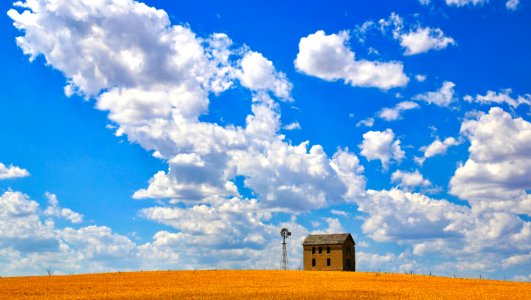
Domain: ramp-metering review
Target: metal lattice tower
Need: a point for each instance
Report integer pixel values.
(284, 233)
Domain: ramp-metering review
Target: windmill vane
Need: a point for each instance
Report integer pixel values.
(284, 233)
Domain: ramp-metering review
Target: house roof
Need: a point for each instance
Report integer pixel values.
(327, 239)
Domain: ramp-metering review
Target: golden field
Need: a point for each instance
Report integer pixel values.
(257, 285)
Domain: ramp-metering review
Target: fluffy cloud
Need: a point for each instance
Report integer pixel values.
(394, 113)
(442, 97)
(437, 147)
(415, 39)
(381, 145)
(465, 2)
(54, 210)
(12, 172)
(292, 126)
(409, 179)
(503, 97)
(258, 73)
(328, 57)
(512, 4)
(420, 77)
(396, 215)
(423, 40)
(497, 173)
(439, 227)
(31, 243)
(369, 122)
(155, 85)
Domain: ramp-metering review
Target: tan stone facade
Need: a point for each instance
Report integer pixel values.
(329, 255)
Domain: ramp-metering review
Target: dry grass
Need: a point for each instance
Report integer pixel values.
(257, 284)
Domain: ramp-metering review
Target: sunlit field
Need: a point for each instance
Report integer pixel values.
(257, 284)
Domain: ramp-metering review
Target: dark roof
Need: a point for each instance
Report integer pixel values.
(327, 239)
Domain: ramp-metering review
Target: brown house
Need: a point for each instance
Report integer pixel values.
(329, 252)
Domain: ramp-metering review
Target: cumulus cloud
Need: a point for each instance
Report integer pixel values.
(512, 4)
(497, 172)
(292, 126)
(369, 122)
(339, 212)
(258, 73)
(155, 84)
(465, 2)
(503, 97)
(9, 172)
(54, 210)
(439, 227)
(381, 145)
(394, 113)
(415, 39)
(442, 97)
(423, 40)
(396, 215)
(407, 180)
(437, 147)
(31, 243)
(420, 77)
(328, 57)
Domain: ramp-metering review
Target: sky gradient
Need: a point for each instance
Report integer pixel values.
(168, 135)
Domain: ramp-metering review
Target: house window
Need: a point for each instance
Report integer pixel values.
(348, 251)
(328, 250)
(320, 250)
(313, 250)
(328, 262)
(313, 262)
(348, 262)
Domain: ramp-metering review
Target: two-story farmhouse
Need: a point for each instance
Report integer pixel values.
(329, 252)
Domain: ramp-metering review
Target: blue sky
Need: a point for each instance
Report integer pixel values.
(148, 135)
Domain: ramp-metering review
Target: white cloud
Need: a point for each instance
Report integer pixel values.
(234, 229)
(394, 113)
(54, 210)
(420, 77)
(292, 126)
(512, 4)
(328, 57)
(415, 39)
(439, 227)
(369, 122)
(409, 179)
(258, 73)
(397, 215)
(339, 212)
(155, 84)
(381, 145)
(424, 2)
(334, 226)
(517, 260)
(500, 98)
(498, 172)
(423, 40)
(437, 147)
(465, 2)
(12, 172)
(442, 97)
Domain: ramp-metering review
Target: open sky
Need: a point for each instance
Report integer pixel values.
(171, 135)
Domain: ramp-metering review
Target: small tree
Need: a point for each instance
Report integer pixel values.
(49, 271)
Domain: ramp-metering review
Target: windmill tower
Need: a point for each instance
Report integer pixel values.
(284, 233)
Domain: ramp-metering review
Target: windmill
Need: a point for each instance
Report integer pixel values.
(284, 233)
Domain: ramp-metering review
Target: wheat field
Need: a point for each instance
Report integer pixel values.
(256, 285)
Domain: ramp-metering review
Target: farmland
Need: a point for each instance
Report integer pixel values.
(256, 284)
